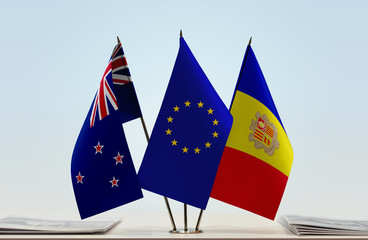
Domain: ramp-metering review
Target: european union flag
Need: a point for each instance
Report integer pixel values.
(189, 136)
(102, 169)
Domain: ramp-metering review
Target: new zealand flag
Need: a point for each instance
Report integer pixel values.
(102, 170)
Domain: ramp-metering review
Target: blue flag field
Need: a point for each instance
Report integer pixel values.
(189, 136)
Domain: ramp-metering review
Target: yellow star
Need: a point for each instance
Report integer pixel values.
(215, 122)
(168, 131)
(169, 119)
(174, 142)
(215, 134)
(196, 150)
(187, 103)
(208, 144)
(185, 150)
(210, 111)
(200, 104)
(176, 109)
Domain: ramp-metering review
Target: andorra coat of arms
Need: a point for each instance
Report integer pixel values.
(264, 134)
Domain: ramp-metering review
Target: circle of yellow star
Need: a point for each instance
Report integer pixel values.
(215, 134)
(196, 150)
(176, 109)
(210, 111)
(185, 150)
(170, 119)
(215, 122)
(208, 144)
(187, 103)
(174, 142)
(200, 104)
(168, 131)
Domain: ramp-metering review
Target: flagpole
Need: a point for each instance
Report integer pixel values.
(250, 41)
(185, 205)
(185, 218)
(241, 71)
(147, 137)
(166, 200)
(199, 220)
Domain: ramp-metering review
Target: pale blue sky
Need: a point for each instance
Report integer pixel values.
(312, 53)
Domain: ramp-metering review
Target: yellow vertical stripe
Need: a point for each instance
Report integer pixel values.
(244, 109)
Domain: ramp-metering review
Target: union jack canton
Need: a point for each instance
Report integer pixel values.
(118, 70)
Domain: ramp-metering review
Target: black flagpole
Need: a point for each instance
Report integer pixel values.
(201, 212)
(241, 72)
(185, 205)
(199, 220)
(166, 200)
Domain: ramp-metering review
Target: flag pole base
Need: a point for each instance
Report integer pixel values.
(182, 231)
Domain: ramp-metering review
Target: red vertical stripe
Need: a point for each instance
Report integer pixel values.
(102, 101)
(249, 183)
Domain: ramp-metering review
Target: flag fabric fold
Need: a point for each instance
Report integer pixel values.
(189, 136)
(257, 159)
(102, 170)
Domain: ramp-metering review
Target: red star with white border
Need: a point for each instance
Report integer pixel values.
(79, 178)
(119, 159)
(98, 148)
(114, 182)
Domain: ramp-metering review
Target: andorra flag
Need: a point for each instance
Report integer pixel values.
(257, 159)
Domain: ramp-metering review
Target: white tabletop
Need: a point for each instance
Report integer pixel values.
(224, 226)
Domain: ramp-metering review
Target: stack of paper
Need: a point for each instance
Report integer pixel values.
(322, 226)
(42, 226)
